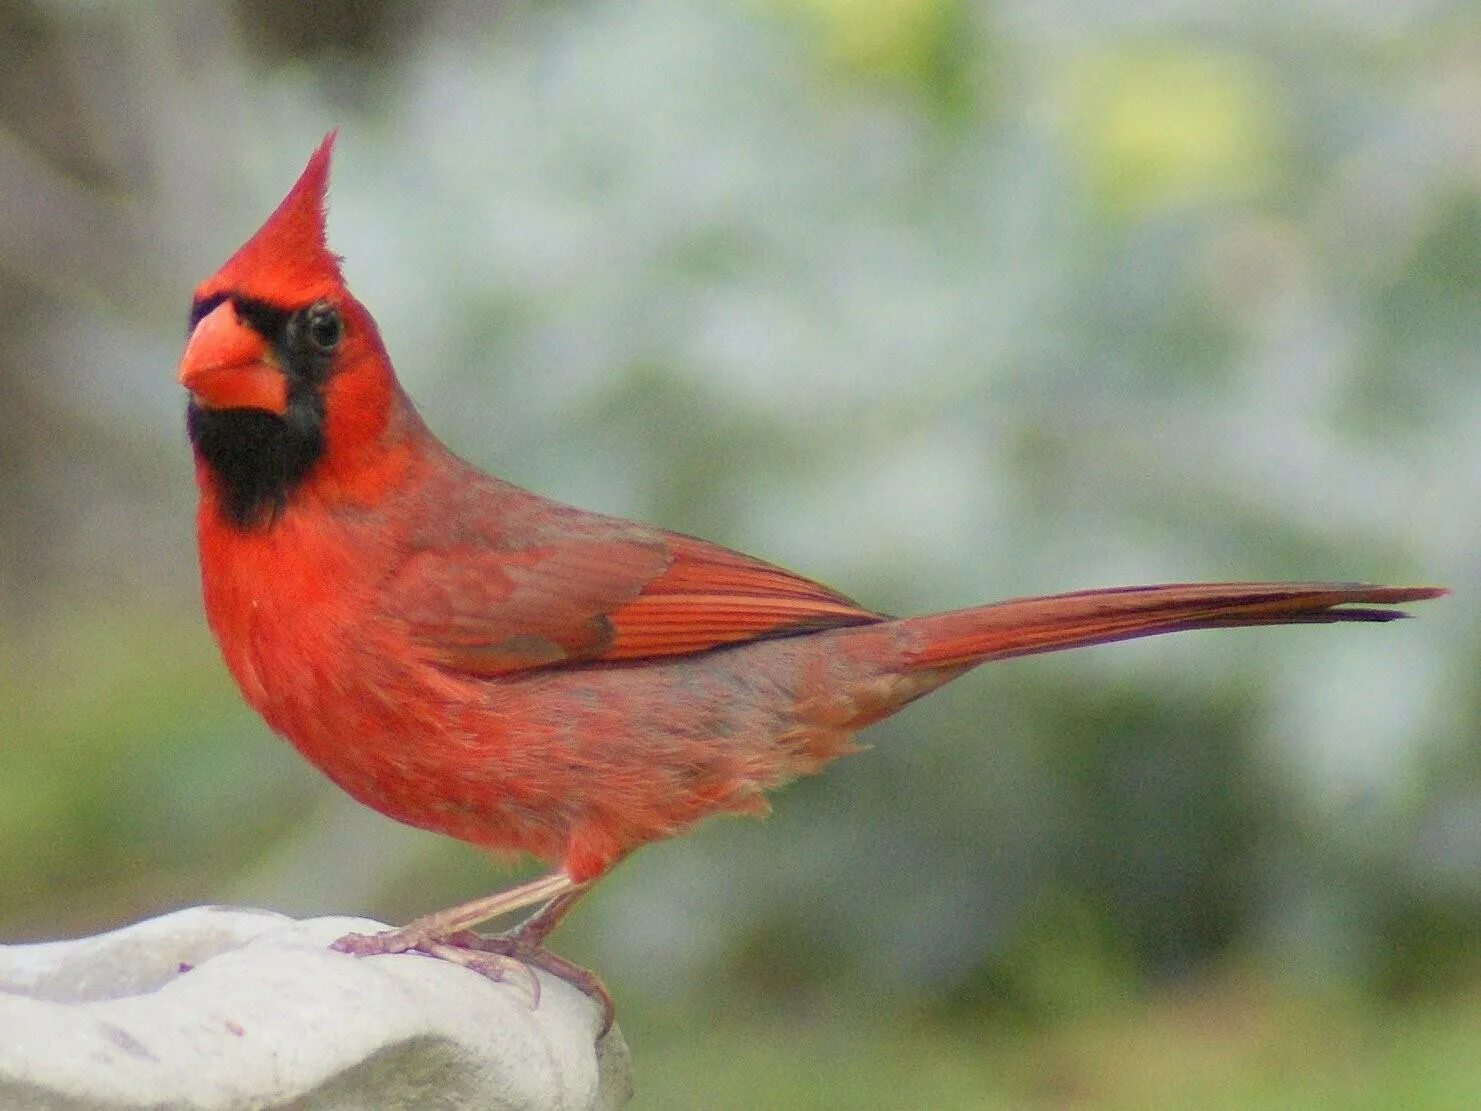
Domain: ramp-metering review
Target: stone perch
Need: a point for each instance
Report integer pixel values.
(216, 1008)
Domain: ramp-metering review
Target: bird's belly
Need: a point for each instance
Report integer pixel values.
(579, 764)
(417, 745)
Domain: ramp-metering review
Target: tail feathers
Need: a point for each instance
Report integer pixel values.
(1025, 626)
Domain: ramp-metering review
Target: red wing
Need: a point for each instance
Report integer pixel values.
(492, 611)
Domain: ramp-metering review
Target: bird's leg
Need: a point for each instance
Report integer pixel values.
(443, 924)
(448, 935)
(537, 927)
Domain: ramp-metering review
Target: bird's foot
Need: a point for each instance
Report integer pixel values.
(463, 948)
(383, 943)
(515, 948)
(495, 957)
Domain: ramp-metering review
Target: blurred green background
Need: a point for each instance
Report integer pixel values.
(935, 301)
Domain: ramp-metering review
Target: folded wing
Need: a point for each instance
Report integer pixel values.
(588, 599)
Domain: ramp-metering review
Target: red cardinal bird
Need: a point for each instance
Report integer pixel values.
(474, 659)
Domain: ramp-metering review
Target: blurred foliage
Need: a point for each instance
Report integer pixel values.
(1163, 125)
(922, 48)
(933, 300)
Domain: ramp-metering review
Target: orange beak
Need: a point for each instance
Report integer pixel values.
(228, 365)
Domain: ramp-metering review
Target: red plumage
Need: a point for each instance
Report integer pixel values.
(473, 659)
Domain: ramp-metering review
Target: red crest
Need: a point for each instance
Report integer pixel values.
(286, 262)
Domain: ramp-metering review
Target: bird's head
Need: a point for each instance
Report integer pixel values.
(285, 369)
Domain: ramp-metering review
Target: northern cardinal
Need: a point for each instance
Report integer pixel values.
(470, 658)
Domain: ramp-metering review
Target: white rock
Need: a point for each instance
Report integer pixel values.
(217, 1007)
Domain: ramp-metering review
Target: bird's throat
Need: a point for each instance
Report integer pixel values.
(254, 459)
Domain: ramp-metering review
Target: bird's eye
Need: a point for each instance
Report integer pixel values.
(324, 328)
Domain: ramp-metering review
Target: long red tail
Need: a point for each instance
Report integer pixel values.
(1027, 625)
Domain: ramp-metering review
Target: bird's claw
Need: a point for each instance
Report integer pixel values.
(514, 947)
(494, 966)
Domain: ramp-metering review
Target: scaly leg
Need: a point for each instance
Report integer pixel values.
(537, 927)
(448, 935)
(454, 920)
